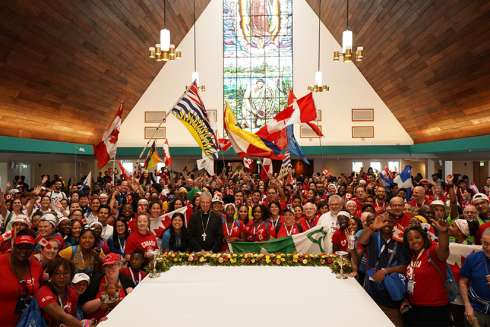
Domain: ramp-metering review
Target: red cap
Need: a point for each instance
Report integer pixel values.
(111, 259)
(25, 239)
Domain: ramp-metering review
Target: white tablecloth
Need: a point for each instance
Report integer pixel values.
(247, 296)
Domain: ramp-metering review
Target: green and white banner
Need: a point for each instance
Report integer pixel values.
(315, 240)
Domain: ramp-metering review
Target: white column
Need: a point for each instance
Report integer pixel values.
(448, 168)
(430, 168)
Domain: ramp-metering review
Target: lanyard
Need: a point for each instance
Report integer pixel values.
(413, 265)
(132, 276)
(256, 228)
(274, 223)
(229, 231)
(288, 232)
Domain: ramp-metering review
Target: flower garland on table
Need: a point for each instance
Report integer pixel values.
(165, 261)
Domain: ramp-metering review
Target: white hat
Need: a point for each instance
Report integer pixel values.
(344, 213)
(80, 277)
(463, 226)
(62, 219)
(92, 224)
(50, 218)
(438, 203)
(20, 219)
(217, 198)
(14, 191)
(480, 196)
(230, 205)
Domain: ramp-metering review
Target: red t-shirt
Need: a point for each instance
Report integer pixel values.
(400, 225)
(427, 201)
(307, 224)
(285, 231)
(11, 289)
(103, 295)
(340, 240)
(481, 229)
(429, 289)
(147, 242)
(261, 232)
(379, 207)
(45, 297)
(234, 231)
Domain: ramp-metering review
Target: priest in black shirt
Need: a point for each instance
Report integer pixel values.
(205, 227)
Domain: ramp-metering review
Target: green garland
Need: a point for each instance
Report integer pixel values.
(165, 261)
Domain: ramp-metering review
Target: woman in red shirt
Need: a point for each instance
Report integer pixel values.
(20, 276)
(232, 229)
(58, 299)
(426, 275)
(289, 226)
(141, 238)
(259, 229)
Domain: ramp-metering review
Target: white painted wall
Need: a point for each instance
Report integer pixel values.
(348, 88)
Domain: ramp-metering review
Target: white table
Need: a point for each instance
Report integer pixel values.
(250, 296)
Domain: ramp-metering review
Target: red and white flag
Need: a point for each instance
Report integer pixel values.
(107, 147)
(123, 170)
(266, 170)
(166, 151)
(302, 110)
(247, 163)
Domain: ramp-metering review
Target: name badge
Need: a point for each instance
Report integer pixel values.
(410, 286)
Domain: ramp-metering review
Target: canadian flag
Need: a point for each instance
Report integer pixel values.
(247, 163)
(166, 151)
(266, 169)
(107, 147)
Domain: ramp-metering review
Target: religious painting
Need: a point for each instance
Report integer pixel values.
(258, 58)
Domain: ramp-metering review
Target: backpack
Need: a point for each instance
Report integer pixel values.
(449, 283)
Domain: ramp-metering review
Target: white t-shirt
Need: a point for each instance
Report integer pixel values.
(329, 221)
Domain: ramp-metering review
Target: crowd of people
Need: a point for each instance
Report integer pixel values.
(80, 250)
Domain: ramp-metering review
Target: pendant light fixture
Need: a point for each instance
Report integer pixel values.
(195, 74)
(165, 50)
(318, 86)
(347, 44)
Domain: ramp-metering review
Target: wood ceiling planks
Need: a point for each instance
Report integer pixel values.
(65, 65)
(428, 60)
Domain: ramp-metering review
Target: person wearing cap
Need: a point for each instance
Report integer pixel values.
(20, 278)
(217, 205)
(58, 299)
(111, 288)
(384, 255)
(80, 283)
(47, 225)
(459, 232)
(20, 222)
(480, 201)
(438, 209)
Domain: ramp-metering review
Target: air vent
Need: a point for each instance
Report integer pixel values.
(359, 132)
(305, 131)
(155, 116)
(362, 114)
(155, 132)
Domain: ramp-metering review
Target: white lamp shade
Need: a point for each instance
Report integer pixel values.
(195, 77)
(165, 39)
(346, 40)
(318, 78)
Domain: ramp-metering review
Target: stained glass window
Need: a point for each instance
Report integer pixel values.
(258, 58)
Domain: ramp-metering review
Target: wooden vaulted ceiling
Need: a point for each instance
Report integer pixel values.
(428, 60)
(65, 65)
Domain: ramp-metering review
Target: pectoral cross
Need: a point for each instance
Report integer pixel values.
(203, 237)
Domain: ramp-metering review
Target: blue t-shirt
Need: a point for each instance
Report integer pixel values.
(476, 267)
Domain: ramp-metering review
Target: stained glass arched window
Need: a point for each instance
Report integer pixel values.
(258, 58)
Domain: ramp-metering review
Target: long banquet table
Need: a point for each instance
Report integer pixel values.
(247, 296)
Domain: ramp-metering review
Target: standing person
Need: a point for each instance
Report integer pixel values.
(117, 242)
(310, 218)
(244, 214)
(134, 271)
(56, 194)
(58, 299)
(103, 215)
(142, 238)
(329, 219)
(176, 238)
(84, 256)
(474, 284)
(275, 214)
(259, 229)
(205, 228)
(401, 219)
(427, 271)
(233, 230)
(289, 226)
(21, 275)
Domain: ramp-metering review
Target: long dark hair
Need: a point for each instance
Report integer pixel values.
(421, 231)
(115, 236)
(265, 211)
(183, 233)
